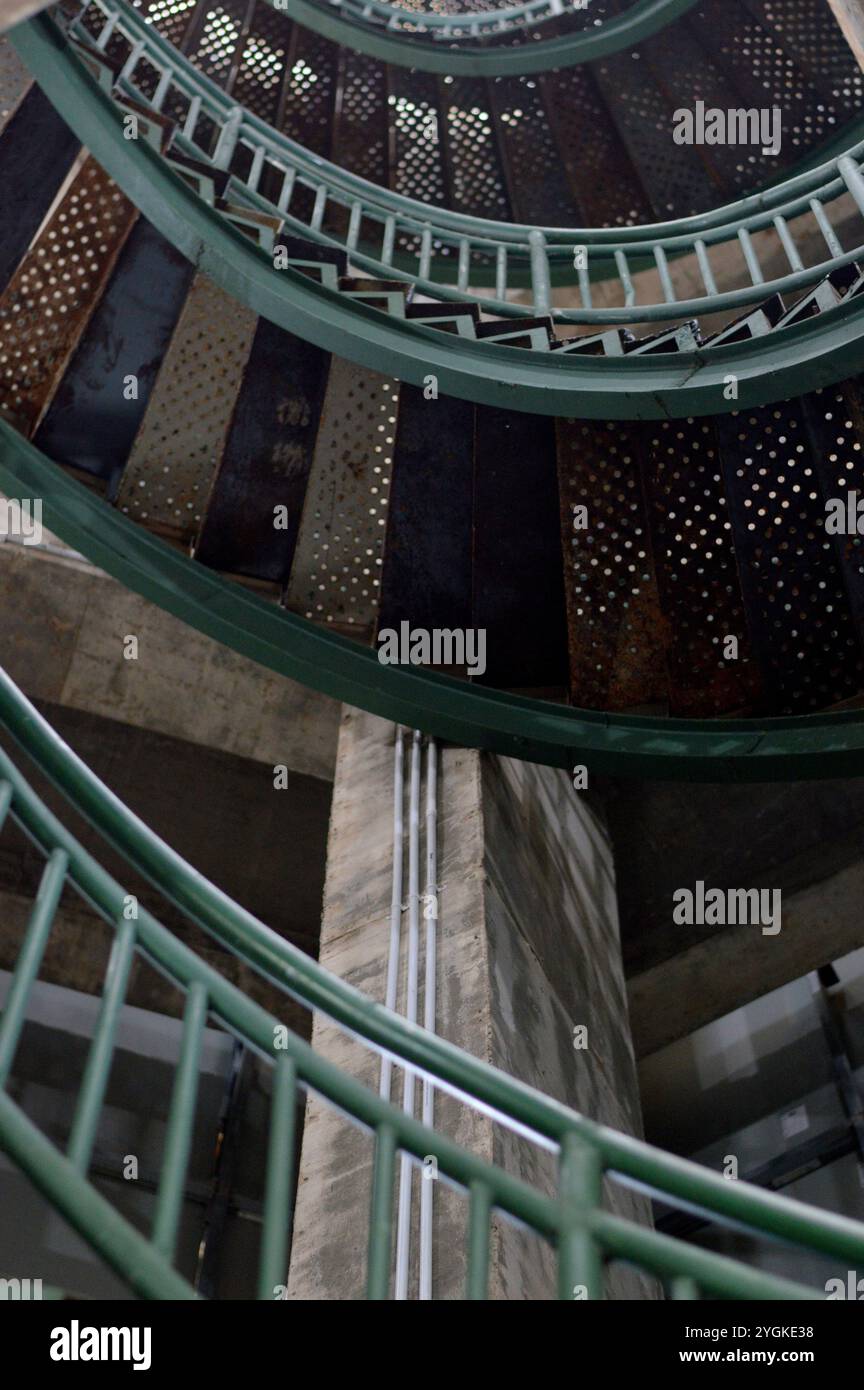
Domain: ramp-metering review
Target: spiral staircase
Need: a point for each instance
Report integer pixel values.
(425, 285)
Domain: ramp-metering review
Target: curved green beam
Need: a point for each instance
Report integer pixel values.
(814, 352)
(748, 750)
(673, 1179)
(811, 176)
(343, 24)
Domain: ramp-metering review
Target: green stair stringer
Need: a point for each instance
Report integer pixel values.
(498, 254)
(571, 1219)
(454, 236)
(812, 352)
(345, 22)
(747, 750)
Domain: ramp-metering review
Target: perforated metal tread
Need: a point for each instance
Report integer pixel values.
(179, 445)
(94, 416)
(254, 510)
(616, 634)
(336, 574)
(577, 145)
(48, 302)
(32, 128)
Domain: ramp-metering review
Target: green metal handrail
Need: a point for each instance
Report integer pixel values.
(810, 352)
(456, 23)
(374, 225)
(358, 24)
(720, 750)
(586, 1150)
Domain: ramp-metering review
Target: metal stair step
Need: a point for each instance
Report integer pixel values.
(95, 414)
(266, 460)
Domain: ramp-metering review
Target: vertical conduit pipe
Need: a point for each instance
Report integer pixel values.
(430, 899)
(395, 901)
(406, 1167)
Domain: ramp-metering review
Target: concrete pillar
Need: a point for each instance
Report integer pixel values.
(528, 952)
(850, 17)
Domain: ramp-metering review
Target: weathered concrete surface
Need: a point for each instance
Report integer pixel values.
(850, 16)
(527, 950)
(63, 623)
(721, 973)
(263, 846)
(801, 838)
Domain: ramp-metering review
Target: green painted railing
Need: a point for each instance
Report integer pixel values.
(719, 750)
(375, 226)
(801, 351)
(463, 45)
(571, 1218)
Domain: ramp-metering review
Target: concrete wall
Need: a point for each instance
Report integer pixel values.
(63, 625)
(528, 949)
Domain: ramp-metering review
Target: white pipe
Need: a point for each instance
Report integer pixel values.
(430, 898)
(395, 902)
(406, 1168)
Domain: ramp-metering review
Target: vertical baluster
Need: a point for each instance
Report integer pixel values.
(464, 265)
(665, 278)
(388, 239)
(32, 951)
(425, 252)
(105, 35)
(580, 1261)
(181, 1119)
(624, 277)
(381, 1215)
(318, 208)
(132, 61)
(705, 268)
(286, 190)
(276, 1225)
(754, 269)
(825, 227)
(227, 142)
(788, 244)
(501, 273)
(257, 165)
(191, 120)
(851, 176)
(354, 221)
(540, 281)
(479, 1219)
(163, 87)
(95, 1080)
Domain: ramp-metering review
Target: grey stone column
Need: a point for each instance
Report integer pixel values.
(528, 952)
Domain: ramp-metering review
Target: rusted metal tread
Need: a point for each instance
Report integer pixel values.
(336, 573)
(267, 459)
(427, 562)
(800, 625)
(617, 634)
(697, 573)
(98, 407)
(834, 421)
(50, 298)
(29, 183)
(179, 444)
(518, 582)
(576, 105)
